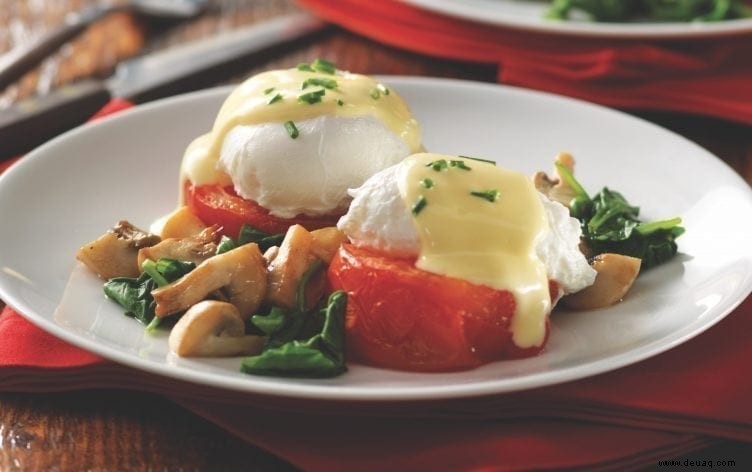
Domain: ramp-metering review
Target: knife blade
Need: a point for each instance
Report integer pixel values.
(198, 64)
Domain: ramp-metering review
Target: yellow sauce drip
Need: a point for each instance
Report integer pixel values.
(485, 242)
(249, 103)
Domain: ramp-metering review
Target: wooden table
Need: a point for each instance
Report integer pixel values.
(115, 430)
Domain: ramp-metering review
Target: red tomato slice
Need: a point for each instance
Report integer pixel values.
(215, 204)
(404, 318)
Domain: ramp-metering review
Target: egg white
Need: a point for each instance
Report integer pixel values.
(310, 174)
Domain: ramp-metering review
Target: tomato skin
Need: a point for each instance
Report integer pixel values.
(404, 318)
(215, 204)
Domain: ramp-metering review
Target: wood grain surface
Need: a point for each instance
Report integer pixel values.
(116, 430)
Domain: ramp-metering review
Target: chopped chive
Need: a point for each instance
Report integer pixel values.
(426, 183)
(292, 130)
(459, 165)
(269, 90)
(322, 65)
(340, 102)
(277, 97)
(375, 94)
(478, 159)
(490, 195)
(438, 166)
(314, 96)
(321, 82)
(305, 67)
(382, 88)
(420, 204)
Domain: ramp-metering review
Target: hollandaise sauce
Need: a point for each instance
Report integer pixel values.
(292, 95)
(480, 223)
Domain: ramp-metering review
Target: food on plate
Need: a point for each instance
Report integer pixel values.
(610, 224)
(651, 10)
(309, 226)
(441, 263)
(287, 144)
(452, 263)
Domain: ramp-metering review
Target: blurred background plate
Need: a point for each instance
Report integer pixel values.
(529, 15)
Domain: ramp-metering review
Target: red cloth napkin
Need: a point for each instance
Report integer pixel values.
(705, 77)
(671, 405)
(316, 436)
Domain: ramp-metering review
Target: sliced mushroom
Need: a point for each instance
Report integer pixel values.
(115, 253)
(326, 242)
(212, 329)
(294, 257)
(196, 248)
(615, 275)
(240, 273)
(556, 188)
(182, 223)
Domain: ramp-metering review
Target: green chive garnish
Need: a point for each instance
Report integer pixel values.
(438, 166)
(426, 183)
(277, 97)
(375, 94)
(478, 159)
(420, 204)
(382, 88)
(322, 65)
(314, 96)
(292, 130)
(321, 82)
(269, 90)
(305, 67)
(459, 165)
(340, 102)
(490, 195)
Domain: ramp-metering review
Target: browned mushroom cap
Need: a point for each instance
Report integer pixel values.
(196, 248)
(240, 272)
(212, 329)
(326, 242)
(615, 275)
(181, 223)
(114, 254)
(294, 257)
(556, 188)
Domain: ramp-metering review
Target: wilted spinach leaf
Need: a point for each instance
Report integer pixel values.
(249, 234)
(134, 294)
(610, 224)
(290, 353)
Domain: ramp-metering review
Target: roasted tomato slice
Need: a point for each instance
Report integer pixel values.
(401, 317)
(215, 204)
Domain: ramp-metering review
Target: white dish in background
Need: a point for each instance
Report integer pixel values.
(529, 15)
(72, 189)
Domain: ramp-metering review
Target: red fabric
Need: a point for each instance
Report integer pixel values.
(493, 433)
(706, 77)
(662, 408)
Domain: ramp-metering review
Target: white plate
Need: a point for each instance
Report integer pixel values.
(70, 190)
(529, 15)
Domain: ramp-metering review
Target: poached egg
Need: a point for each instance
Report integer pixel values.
(295, 140)
(471, 220)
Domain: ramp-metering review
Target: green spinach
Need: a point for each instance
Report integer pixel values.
(652, 10)
(610, 224)
(302, 343)
(249, 234)
(134, 294)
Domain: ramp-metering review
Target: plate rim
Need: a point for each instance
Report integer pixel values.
(360, 394)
